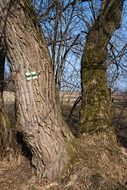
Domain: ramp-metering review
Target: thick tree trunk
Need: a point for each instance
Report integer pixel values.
(38, 113)
(95, 111)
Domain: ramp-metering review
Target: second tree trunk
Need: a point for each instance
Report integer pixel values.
(95, 111)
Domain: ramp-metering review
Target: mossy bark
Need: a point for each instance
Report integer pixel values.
(95, 111)
(5, 133)
(2, 62)
(7, 140)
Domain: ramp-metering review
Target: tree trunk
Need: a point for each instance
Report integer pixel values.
(2, 62)
(95, 111)
(38, 113)
(5, 131)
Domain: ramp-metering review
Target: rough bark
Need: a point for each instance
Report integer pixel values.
(2, 62)
(5, 133)
(95, 111)
(38, 113)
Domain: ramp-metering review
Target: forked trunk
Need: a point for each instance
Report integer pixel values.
(95, 111)
(38, 113)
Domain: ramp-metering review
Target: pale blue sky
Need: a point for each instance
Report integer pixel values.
(74, 67)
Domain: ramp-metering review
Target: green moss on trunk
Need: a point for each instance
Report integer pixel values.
(95, 114)
(95, 111)
(5, 133)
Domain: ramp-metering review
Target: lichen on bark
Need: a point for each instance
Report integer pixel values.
(95, 113)
(95, 110)
(5, 133)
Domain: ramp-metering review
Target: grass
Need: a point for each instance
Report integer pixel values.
(98, 163)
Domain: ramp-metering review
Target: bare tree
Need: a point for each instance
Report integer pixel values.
(95, 111)
(39, 117)
(61, 28)
(62, 21)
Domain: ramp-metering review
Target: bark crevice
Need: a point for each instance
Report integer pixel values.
(38, 112)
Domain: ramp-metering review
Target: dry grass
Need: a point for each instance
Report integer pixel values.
(97, 163)
(100, 164)
(14, 173)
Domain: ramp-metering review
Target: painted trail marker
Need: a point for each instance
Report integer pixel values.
(32, 75)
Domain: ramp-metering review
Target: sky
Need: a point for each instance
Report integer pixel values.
(121, 82)
(72, 71)
(120, 40)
